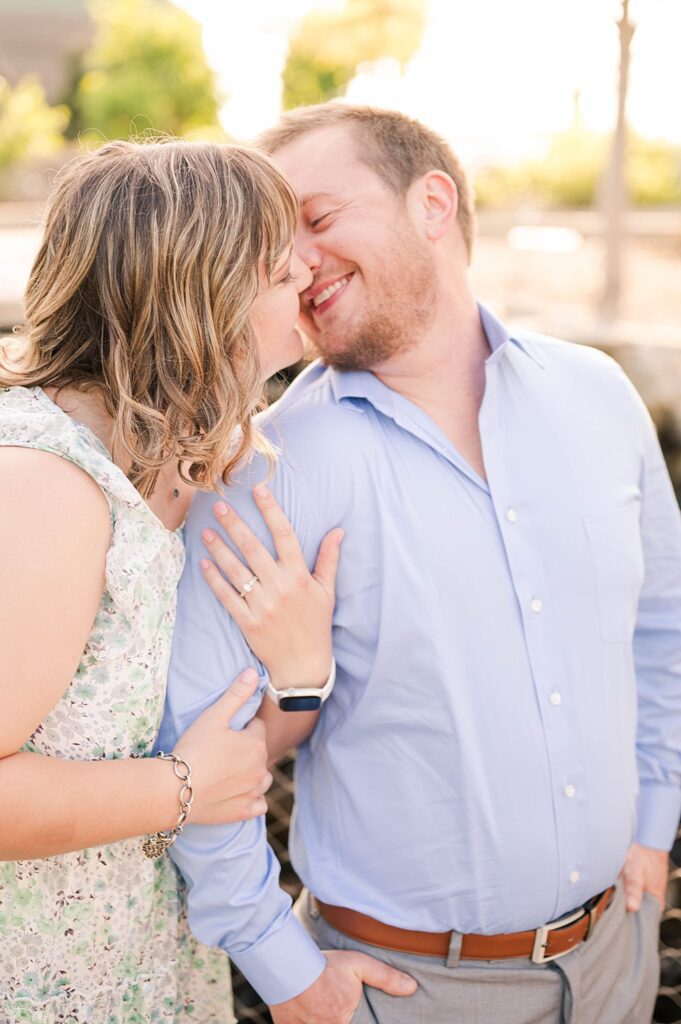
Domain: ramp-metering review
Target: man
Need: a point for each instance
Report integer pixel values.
(509, 591)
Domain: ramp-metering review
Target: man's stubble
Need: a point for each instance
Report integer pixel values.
(400, 307)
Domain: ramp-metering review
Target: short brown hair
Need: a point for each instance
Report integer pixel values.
(151, 260)
(396, 147)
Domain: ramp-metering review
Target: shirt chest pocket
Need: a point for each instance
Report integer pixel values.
(614, 539)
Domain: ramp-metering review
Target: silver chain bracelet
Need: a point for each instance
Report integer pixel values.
(158, 842)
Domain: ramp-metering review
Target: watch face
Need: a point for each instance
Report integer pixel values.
(300, 703)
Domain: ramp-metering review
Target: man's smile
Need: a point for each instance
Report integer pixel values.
(321, 297)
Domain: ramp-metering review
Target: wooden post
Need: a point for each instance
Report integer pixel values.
(614, 193)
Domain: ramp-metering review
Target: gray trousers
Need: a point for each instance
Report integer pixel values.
(610, 979)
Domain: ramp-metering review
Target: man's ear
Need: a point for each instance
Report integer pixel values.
(439, 202)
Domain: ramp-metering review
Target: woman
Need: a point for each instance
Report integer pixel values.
(162, 297)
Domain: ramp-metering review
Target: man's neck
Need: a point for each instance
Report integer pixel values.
(446, 365)
(444, 374)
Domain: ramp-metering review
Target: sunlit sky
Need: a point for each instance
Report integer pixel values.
(495, 77)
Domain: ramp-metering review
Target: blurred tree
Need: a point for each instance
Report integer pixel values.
(329, 46)
(145, 71)
(614, 195)
(571, 174)
(29, 127)
(566, 176)
(653, 172)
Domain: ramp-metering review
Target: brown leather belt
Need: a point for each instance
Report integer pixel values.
(546, 943)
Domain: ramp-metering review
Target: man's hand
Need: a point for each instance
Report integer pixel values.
(645, 870)
(336, 994)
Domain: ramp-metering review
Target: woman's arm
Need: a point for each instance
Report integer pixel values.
(53, 806)
(54, 535)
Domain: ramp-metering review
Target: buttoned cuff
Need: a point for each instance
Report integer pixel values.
(659, 809)
(282, 965)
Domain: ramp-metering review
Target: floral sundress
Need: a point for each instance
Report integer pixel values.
(101, 936)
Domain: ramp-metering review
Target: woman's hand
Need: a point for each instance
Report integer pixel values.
(229, 766)
(282, 609)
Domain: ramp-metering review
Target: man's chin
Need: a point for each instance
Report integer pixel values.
(313, 348)
(345, 359)
(356, 347)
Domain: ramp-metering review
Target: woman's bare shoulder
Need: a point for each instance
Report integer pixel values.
(52, 500)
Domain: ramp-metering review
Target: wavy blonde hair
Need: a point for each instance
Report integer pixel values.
(152, 257)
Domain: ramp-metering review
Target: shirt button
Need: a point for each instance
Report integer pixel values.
(511, 515)
(574, 877)
(536, 605)
(555, 698)
(569, 790)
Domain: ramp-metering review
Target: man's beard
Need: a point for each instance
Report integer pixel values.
(393, 323)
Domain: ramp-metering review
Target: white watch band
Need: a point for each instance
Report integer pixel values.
(296, 698)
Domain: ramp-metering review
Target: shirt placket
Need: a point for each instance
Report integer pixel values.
(555, 698)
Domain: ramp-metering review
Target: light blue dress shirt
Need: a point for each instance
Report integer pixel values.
(507, 713)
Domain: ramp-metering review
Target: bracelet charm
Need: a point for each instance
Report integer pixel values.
(156, 844)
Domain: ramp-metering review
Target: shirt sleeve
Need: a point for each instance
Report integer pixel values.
(234, 898)
(657, 651)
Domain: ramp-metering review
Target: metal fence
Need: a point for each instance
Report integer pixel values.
(668, 1007)
(250, 1010)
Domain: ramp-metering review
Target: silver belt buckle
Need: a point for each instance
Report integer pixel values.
(541, 937)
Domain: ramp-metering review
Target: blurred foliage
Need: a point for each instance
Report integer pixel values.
(146, 71)
(29, 128)
(330, 45)
(571, 173)
(654, 172)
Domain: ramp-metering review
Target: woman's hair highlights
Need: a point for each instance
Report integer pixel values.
(152, 257)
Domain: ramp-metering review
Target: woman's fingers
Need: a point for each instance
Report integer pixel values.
(233, 568)
(225, 593)
(285, 540)
(234, 698)
(255, 553)
(326, 566)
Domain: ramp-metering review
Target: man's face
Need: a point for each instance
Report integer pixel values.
(373, 273)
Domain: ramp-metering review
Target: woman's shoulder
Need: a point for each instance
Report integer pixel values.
(47, 492)
(30, 420)
(49, 478)
(50, 457)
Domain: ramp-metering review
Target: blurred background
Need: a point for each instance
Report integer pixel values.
(568, 116)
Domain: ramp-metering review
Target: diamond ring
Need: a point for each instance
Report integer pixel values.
(248, 587)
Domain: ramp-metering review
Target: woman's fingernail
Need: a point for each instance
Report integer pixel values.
(208, 536)
(205, 564)
(261, 491)
(221, 508)
(341, 535)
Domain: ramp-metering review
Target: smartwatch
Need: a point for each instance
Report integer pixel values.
(302, 698)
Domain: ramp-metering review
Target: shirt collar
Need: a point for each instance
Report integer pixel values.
(500, 338)
(364, 384)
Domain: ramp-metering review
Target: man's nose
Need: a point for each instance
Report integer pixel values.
(306, 250)
(301, 272)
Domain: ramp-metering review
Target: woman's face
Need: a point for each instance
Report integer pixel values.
(275, 312)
